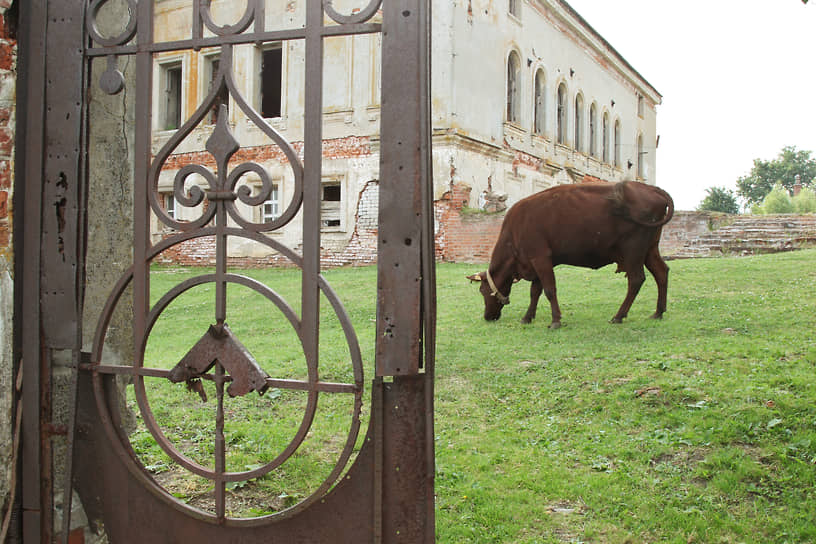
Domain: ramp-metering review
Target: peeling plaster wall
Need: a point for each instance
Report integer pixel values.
(470, 78)
(8, 84)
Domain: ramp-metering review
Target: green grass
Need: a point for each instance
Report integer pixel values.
(700, 427)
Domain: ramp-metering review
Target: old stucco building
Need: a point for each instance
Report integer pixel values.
(525, 95)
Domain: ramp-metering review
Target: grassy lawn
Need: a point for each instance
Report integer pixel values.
(700, 427)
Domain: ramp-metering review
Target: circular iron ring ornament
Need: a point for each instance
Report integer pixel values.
(355, 18)
(226, 30)
(121, 442)
(125, 36)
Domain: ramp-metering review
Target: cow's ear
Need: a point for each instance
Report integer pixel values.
(476, 277)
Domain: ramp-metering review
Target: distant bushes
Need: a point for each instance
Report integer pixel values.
(779, 201)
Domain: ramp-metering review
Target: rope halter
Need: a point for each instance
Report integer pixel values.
(494, 291)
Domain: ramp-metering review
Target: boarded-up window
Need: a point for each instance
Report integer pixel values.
(330, 207)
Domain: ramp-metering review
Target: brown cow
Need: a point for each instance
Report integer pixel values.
(589, 225)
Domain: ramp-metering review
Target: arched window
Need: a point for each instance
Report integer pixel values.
(605, 139)
(593, 130)
(513, 93)
(640, 153)
(540, 102)
(617, 150)
(579, 122)
(561, 122)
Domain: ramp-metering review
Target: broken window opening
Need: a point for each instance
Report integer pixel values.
(271, 82)
(223, 94)
(330, 208)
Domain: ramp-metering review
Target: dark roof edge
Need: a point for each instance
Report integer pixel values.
(614, 51)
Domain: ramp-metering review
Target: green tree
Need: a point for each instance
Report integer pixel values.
(765, 174)
(776, 201)
(805, 201)
(719, 199)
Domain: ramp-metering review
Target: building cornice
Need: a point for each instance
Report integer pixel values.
(573, 20)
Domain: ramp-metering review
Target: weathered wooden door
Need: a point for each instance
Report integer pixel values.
(379, 486)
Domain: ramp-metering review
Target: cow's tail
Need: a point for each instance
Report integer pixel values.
(619, 198)
(669, 209)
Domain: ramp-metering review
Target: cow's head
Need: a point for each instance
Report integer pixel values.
(493, 298)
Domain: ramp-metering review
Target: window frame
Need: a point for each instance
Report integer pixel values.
(261, 53)
(578, 132)
(593, 130)
(513, 98)
(561, 113)
(171, 96)
(212, 62)
(540, 102)
(330, 206)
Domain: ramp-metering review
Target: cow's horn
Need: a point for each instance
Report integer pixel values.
(474, 277)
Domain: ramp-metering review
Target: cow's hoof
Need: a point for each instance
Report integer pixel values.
(526, 320)
(555, 325)
(656, 316)
(616, 320)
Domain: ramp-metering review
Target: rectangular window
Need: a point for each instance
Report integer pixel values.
(640, 106)
(172, 96)
(271, 81)
(223, 96)
(170, 204)
(330, 207)
(271, 207)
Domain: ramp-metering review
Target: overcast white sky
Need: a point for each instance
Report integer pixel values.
(738, 79)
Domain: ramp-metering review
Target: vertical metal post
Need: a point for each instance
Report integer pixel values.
(31, 110)
(312, 162)
(403, 174)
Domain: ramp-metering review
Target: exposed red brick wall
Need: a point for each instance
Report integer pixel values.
(340, 148)
(360, 250)
(463, 236)
(8, 77)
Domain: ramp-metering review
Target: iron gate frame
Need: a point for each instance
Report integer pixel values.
(390, 485)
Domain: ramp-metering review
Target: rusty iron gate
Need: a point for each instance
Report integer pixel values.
(382, 493)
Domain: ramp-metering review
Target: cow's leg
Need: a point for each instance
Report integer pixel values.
(657, 266)
(535, 294)
(546, 275)
(636, 277)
